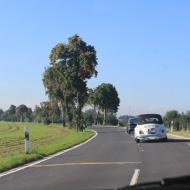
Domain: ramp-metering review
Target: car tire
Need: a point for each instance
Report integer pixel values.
(137, 140)
(165, 139)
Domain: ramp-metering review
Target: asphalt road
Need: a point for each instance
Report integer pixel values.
(108, 161)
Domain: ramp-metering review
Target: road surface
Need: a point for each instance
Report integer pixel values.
(110, 160)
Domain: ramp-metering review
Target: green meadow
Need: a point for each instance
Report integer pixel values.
(44, 140)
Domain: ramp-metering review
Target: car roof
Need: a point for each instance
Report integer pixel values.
(149, 115)
(132, 119)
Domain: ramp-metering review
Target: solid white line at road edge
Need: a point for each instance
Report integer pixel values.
(135, 177)
(47, 158)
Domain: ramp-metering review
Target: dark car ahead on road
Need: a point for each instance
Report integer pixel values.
(132, 123)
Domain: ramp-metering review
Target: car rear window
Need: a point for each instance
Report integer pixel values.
(149, 119)
(132, 121)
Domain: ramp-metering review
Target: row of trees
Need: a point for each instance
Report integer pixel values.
(104, 99)
(46, 113)
(21, 113)
(50, 112)
(181, 121)
(92, 117)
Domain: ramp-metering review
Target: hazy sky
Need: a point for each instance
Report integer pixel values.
(143, 48)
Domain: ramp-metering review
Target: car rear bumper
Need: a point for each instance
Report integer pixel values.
(151, 137)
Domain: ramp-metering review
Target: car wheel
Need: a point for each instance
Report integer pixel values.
(137, 140)
(165, 139)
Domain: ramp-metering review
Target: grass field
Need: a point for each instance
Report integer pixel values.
(182, 133)
(44, 140)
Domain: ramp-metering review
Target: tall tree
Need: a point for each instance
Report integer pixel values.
(55, 113)
(71, 65)
(93, 101)
(174, 116)
(21, 112)
(37, 114)
(11, 113)
(1, 114)
(107, 98)
(45, 112)
(29, 114)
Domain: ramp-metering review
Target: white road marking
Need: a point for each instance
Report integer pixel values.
(135, 177)
(140, 148)
(45, 159)
(86, 164)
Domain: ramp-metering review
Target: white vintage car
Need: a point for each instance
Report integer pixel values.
(150, 127)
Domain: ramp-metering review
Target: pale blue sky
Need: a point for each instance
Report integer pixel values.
(143, 48)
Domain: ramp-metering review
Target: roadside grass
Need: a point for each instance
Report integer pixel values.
(181, 133)
(108, 126)
(44, 141)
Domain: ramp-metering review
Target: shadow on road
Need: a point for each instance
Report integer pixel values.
(170, 141)
(178, 140)
(109, 131)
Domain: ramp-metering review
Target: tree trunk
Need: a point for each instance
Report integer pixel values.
(77, 121)
(105, 116)
(66, 112)
(95, 115)
(21, 119)
(78, 118)
(62, 114)
(52, 120)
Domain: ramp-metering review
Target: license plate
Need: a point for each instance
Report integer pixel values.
(151, 131)
(152, 138)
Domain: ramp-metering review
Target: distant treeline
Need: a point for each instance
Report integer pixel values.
(21, 113)
(46, 113)
(181, 121)
(50, 112)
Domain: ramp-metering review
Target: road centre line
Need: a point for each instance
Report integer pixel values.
(140, 148)
(135, 177)
(84, 164)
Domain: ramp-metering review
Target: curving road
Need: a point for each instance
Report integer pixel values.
(110, 160)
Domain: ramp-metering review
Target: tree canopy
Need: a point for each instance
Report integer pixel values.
(106, 98)
(65, 79)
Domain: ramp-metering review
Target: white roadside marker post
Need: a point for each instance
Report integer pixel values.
(26, 140)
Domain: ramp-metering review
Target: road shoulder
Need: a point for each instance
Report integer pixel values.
(177, 136)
